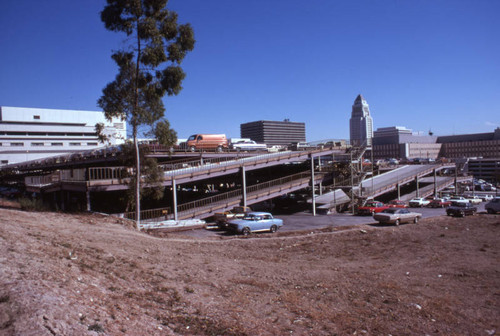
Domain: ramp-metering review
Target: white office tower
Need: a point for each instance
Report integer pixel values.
(361, 123)
(32, 133)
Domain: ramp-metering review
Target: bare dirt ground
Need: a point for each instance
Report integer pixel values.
(85, 274)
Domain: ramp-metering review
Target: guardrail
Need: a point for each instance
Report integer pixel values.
(158, 214)
(228, 197)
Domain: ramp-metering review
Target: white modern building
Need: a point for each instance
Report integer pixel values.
(32, 133)
(361, 123)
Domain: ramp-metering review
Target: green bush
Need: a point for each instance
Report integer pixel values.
(29, 204)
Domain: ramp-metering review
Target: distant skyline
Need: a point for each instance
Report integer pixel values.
(426, 65)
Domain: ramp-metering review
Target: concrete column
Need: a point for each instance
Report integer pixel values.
(87, 194)
(416, 182)
(399, 190)
(312, 187)
(435, 183)
(174, 196)
(244, 185)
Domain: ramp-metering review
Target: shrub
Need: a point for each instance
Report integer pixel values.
(29, 204)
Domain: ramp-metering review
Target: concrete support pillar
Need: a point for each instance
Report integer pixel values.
(174, 197)
(312, 187)
(399, 190)
(63, 200)
(456, 178)
(87, 194)
(244, 186)
(435, 183)
(416, 182)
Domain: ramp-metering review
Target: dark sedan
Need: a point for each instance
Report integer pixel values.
(461, 209)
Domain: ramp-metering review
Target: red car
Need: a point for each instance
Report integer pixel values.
(371, 207)
(439, 203)
(397, 204)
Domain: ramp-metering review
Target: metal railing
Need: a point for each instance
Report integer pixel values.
(227, 197)
(108, 173)
(156, 215)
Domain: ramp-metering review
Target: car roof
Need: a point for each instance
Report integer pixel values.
(258, 213)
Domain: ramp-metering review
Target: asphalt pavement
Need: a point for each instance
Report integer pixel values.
(302, 221)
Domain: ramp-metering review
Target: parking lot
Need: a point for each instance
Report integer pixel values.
(302, 221)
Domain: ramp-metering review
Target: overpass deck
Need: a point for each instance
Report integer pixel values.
(117, 178)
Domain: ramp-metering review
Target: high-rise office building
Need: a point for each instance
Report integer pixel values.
(361, 123)
(274, 132)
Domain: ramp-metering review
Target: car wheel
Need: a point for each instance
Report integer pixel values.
(192, 148)
(273, 228)
(415, 220)
(246, 231)
(219, 149)
(491, 211)
(396, 222)
(462, 214)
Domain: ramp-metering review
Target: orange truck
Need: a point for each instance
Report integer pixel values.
(216, 142)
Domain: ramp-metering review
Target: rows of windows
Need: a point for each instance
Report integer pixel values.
(42, 144)
(48, 133)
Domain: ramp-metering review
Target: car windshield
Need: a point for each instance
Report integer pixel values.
(390, 211)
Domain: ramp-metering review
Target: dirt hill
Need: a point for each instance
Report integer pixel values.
(66, 274)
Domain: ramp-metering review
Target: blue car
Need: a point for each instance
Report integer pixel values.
(255, 222)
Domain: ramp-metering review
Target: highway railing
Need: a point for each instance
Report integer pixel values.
(233, 197)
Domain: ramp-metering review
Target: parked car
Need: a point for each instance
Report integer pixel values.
(418, 202)
(371, 207)
(486, 197)
(461, 209)
(397, 204)
(222, 218)
(397, 216)
(216, 142)
(474, 199)
(255, 222)
(439, 203)
(493, 206)
(459, 199)
(247, 145)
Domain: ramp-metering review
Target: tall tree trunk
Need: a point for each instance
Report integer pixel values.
(134, 126)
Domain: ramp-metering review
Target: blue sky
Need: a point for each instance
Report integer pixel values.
(423, 64)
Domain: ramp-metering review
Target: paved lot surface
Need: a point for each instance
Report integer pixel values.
(306, 221)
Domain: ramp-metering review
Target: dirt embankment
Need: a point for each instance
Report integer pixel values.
(90, 275)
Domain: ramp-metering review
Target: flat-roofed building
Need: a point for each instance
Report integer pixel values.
(400, 142)
(282, 133)
(486, 145)
(33, 133)
(486, 169)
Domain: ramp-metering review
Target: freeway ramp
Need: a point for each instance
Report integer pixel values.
(380, 184)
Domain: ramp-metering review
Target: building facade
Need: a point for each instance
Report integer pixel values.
(281, 133)
(486, 169)
(361, 123)
(399, 142)
(32, 133)
(485, 145)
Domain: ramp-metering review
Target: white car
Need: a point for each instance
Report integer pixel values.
(418, 202)
(474, 199)
(248, 145)
(459, 199)
(486, 197)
